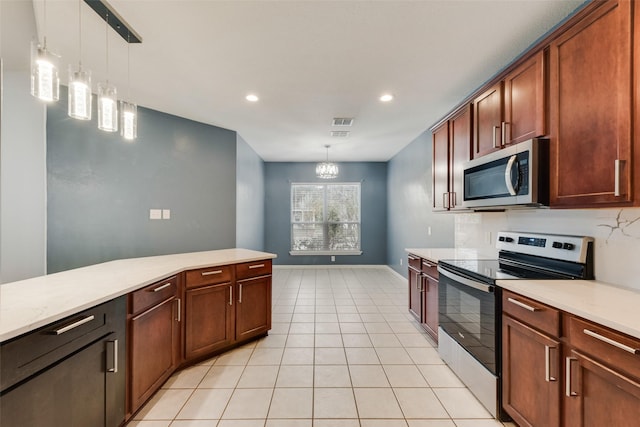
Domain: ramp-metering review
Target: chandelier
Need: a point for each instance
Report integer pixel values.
(327, 170)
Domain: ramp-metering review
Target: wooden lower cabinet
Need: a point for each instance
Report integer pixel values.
(209, 324)
(253, 307)
(430, 298)
(531, 363)
(415, 293)
(597, 395)
(154, 340)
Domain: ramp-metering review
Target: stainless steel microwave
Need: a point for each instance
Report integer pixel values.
(516, 176)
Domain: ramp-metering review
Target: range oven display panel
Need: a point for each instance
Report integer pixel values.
(532, 241)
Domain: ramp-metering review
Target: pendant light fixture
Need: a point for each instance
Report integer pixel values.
(128, 110)
(79, 82)
(45, 81)
(107, 96)
(327, 170)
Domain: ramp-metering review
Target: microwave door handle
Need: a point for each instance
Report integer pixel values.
(507, 175)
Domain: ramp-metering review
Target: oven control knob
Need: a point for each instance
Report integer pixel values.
(568, 246)
(501, 239)
(508, 239)
(557, 245)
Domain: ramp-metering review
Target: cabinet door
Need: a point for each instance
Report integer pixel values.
(154, 338)
(415, 293)
(459, 153)
(70, 394)
(441, 168)
(209, 324)
(597, 396)
(487, 124)
(531, 372)
(524, 101)
(253, 307)
(590, 110)
(430, 318)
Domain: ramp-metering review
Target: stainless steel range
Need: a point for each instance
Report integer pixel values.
(470, 302)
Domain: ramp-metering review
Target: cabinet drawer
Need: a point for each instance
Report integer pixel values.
(414, 261)
(153, 294)
(616, 349)
(35, 351)
(209, 276)
(532, 312)
(430, 268)
(253, 269)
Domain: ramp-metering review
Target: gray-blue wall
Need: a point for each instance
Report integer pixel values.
(410, 201)
(278, 179)
(101, 187)
(250, 198)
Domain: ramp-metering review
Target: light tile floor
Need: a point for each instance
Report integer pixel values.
(343, 352)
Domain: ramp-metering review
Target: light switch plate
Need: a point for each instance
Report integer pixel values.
(155, 213)
(166, 213)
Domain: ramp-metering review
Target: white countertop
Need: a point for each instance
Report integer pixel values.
(612, 306)
(436, 254)
(29, 304)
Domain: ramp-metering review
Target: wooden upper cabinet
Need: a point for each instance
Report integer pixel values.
(524, 101)
(451, 149)
(459, 154)
(441, 167)
(488, 112)
(590, 110)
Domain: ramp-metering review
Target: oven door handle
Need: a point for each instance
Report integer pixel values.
(463, 280)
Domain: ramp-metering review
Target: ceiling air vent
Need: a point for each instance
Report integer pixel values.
(342, 121)
(339, 133)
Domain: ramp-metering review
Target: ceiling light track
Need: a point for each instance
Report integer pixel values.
(115, 21)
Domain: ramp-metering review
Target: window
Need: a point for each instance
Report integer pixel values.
(325, 219)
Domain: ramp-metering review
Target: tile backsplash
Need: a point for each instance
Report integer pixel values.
(616, 233)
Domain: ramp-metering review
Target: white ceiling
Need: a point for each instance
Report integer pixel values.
(308, 61)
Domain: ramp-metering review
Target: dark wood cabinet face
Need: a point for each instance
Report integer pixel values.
(460, 153)
(590, 110)
(488, 113)
(153, 343)
(531, 371)
(440, 164)
(524, 101)
(209, 323)
(430, 304)
(253, 307)
(598, 395)
(415, 294)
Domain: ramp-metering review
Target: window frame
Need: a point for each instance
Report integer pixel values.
(325, 223)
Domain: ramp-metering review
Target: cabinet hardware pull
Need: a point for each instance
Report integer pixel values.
(616, 191)
(504, 133)
(455, 200)
(494, 128)
(567, 378)
(230, 295)
(523, 305)
(611, 342)
(256, 266)
(412, 258)
(419, 282)
(547, 364)
(179, 310)
(209, 273)
(159, 288)
(73, 325)
(240, 294)
(427, 264)
(112, 356)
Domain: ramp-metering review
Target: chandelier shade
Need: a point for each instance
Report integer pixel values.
(327, 169)
(79, 94)
(45, 80)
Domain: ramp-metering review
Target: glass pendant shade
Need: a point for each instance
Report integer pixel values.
(45, 81)
(107, 107)
(128, 120)
(326, 170)
(79, 94)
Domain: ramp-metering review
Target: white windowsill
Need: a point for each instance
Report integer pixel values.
(297, 253)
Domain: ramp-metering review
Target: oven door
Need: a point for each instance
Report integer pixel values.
(468, 313)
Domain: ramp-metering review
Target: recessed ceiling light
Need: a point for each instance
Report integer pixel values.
(386, 97)
(252, 98)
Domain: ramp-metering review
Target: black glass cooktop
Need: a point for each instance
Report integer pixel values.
(490, 270)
